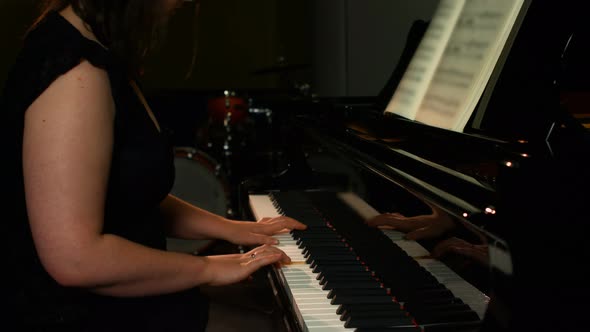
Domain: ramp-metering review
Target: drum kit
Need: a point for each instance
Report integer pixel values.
(224, 149)
(227, 149)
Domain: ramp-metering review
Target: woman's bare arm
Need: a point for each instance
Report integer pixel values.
(68, 139)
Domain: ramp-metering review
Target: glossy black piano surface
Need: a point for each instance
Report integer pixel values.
(514, 185)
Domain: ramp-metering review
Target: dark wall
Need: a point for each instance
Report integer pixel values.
(232, 39)
(340, 47)
(15, 18)
(357, 43)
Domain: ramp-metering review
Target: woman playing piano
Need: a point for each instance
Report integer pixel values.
(90, 171)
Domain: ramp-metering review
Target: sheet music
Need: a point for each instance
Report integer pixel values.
(468, 61)
(418, 75)
(451, 67)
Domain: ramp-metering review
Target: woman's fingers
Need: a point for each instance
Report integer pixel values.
(264, 251)
(261, 232)
(275, 225)
(229, 269)
(264, 260)
(253, 238)
(265, 220)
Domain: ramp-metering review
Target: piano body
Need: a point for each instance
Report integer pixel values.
(503, 203)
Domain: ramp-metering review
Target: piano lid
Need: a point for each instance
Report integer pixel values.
(522, 122)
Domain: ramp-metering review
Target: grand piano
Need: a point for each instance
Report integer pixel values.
(499, 209)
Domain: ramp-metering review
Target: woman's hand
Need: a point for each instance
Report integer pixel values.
(229, 269)
(261, 232)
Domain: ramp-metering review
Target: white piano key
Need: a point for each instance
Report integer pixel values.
(263, 207)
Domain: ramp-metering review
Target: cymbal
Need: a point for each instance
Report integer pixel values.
(280, 68)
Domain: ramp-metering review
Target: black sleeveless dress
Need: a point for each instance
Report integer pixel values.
(141, 175)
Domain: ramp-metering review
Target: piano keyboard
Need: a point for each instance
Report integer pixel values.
(331, 289)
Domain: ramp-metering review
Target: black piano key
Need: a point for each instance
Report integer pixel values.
(342, 268)
(313, 263)
(355, 306)
(313, 246)
(390, 329)
(343, 275)
(318, 232)
(361, 299)
(313, 229)
(332, 258)
(336, 254)
(322, 266)
(338, 275)
(351, 284)
(318, 238)
(357, 291)
(313, 242)
(347, 277)
(309, 220)
(369, 315)
(373, 313)
(328, 250)
(329, 264)
(377, 322)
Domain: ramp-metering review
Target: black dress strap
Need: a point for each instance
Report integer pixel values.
(48, 53)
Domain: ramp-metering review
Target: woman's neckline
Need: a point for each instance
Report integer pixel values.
(72, 19)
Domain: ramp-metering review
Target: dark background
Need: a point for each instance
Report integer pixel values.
(339, 47)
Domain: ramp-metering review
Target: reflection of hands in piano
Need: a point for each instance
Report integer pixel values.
(425, 226)
(229, 269)
(461, 247)
(261, 232)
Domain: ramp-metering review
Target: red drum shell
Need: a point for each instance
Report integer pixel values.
(232, 108)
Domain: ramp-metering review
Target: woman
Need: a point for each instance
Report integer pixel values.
(90, 174)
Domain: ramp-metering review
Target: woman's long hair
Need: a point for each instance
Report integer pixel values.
(128, 28)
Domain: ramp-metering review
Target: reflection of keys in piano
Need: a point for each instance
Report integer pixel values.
(476, 300)
(332, 289)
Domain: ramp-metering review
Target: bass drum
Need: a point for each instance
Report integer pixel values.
(201, 182)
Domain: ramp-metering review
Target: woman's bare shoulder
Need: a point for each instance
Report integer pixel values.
(84, 87)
